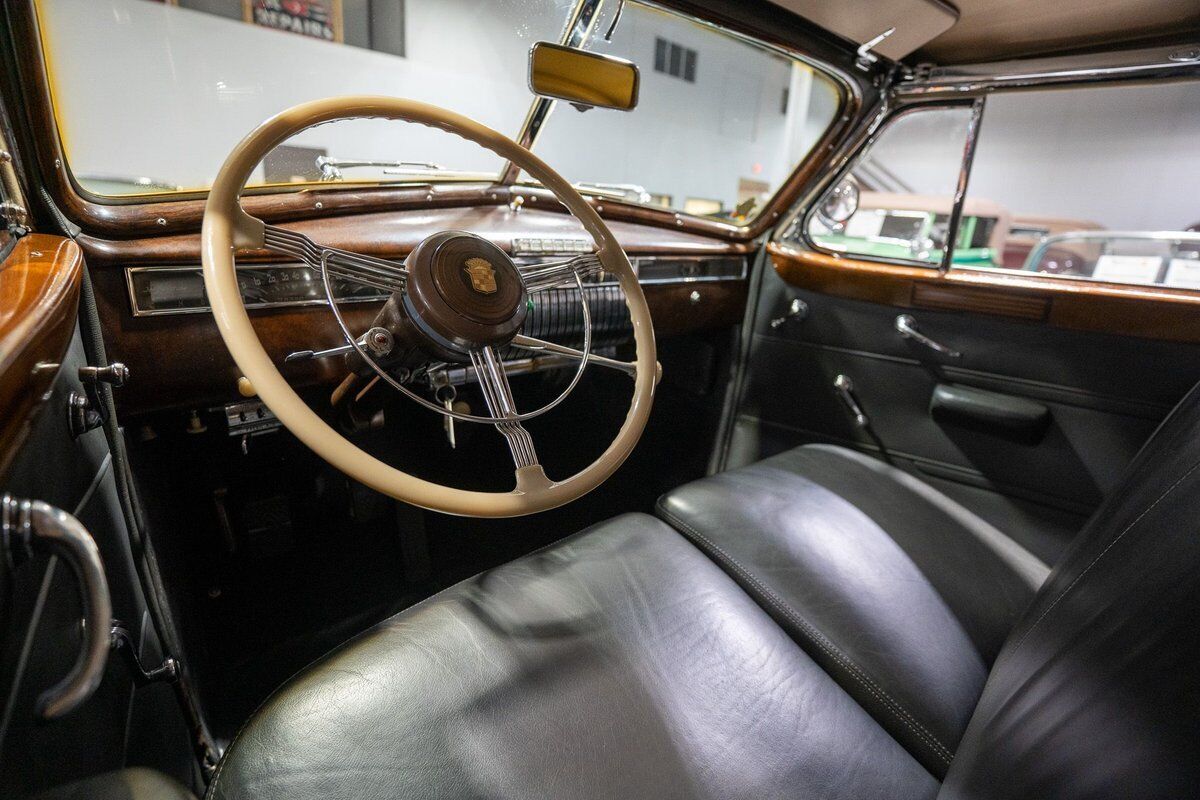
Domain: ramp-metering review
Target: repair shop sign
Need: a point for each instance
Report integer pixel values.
(318, 19)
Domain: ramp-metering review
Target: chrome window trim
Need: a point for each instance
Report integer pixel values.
(807, 206)
(1167, 62)
(960, 190)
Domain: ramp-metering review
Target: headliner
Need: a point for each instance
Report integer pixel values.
(972, 31)
(991, 30)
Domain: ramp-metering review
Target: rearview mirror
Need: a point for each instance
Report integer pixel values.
(582, 78)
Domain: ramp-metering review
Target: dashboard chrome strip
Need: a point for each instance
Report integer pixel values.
(639, 264)
(205, 309)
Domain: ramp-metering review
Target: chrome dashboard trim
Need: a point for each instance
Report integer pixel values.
(636, 261)
(140, 312)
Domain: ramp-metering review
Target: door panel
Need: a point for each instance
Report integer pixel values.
(1105, 394)
(41, 350)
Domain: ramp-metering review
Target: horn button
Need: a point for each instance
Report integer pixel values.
(464, 292)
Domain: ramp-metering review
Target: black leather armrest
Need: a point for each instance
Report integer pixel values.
(990, 412)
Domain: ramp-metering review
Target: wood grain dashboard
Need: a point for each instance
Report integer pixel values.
(39, 299)
(1149, 312)
(181, 360)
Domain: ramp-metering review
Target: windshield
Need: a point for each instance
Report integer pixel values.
(721, 123)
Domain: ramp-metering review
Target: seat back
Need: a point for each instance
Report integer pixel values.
(1096, 693)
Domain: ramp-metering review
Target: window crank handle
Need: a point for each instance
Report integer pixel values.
(906, 326)
(845, 391)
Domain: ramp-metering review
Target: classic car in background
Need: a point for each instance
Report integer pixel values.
(914, 227)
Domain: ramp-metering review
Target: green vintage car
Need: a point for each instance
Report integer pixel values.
(913, 227)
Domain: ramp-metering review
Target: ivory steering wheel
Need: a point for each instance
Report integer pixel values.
(447, 292)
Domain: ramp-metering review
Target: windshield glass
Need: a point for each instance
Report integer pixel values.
(721, 123)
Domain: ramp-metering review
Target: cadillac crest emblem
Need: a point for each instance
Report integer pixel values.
(483, 277)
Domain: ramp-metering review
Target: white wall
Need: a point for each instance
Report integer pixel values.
(146, 89)
(1125, 157)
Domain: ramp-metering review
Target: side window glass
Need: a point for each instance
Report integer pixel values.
(1100, 182)
(895, 204)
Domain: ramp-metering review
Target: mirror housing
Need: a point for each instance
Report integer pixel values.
(839, 204)
(581, 78)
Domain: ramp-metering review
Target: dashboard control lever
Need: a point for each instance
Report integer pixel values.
(906, 326)
(378, 341)
(308, 355)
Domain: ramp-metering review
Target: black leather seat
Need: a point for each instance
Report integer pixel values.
(901, 594)
(622, 662)
(618, 663)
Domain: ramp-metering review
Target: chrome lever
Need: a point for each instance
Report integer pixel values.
(845, 391)
(796, 310)
(378, 341)
(906, 326)
(309, 355)
(29, 525)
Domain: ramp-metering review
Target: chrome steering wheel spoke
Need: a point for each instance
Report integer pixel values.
(497, 394)
(378, 273)
(553, 274)
(541, 345)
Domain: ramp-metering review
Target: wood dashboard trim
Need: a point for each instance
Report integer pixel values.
(39, 300)
(1148, 312)
(393, 234)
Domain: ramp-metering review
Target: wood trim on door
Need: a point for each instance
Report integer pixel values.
(1149, 312)
(39, 300)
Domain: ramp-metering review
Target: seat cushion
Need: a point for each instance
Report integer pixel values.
(135, 783)
(620, 662)
(901, 594)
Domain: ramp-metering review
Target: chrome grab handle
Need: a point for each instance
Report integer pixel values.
(32, 524)
(845, 390)
(906, 326)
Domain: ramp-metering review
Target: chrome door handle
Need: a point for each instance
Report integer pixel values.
(906, 326)
(28, 525)
(845, 391)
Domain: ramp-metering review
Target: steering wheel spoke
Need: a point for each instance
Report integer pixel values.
(553, 274)
(378, 273)
(541, 345)
(497, 394)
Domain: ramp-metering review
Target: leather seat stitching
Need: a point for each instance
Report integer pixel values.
(903, 716)
(1103, 553)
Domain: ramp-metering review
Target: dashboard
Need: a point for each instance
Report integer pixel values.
(156, 315)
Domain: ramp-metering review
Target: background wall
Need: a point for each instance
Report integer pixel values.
(1126, 157)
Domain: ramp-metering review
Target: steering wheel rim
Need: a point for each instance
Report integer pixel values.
(228, 227)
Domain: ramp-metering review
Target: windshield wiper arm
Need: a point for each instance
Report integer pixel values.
(331, 168)
(632, 192)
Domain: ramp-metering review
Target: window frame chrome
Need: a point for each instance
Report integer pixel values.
(807, 208)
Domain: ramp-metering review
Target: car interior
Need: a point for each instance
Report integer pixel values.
(599, 398)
